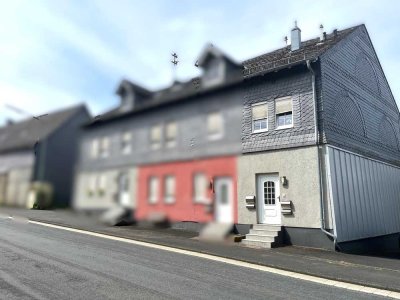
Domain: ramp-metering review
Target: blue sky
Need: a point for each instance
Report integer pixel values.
(58, 53)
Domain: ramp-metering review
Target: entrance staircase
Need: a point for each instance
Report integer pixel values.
(264, 236)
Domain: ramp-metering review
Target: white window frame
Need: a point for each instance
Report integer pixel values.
(153, 199)
(216, 135)
(171, 143)
(95, 148)
(126, 148)
(104, 151)
(259, 119)
(277, 127)
(169, 199)
(153, 144)
(220, 70)
(202, 198)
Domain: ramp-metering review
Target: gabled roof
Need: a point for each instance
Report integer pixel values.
(24, 134)
(137, 88)
(211, 50)
(284, 57)
(269, 62)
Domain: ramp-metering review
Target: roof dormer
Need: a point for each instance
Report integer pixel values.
(216, 66)
(131, 95)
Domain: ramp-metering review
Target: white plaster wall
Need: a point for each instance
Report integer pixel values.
(18, 184)
(300, 166)
(82, 199)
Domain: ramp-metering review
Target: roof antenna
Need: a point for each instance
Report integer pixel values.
(286, 40)
(174, 62)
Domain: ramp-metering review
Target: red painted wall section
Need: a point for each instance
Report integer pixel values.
(184, 208)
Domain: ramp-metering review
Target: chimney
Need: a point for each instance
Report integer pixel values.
(321, 35)
(335, 33)
(295, 38)
(9, 122)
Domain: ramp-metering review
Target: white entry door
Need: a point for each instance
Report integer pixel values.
(268, 199)
(223, 199)
(124, 198)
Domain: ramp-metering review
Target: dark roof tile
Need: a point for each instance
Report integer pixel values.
(24, 134)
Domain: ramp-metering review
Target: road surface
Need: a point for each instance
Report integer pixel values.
(38, 262)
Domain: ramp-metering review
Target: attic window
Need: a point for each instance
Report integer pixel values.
(214, 71)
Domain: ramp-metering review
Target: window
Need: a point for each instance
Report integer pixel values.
(123, 181)
(269, 193)
(214, 71)
(200, 188)
(169, 189)
(95, 148)
(92, 185)
(284, 113)
(153, 190)
(126, 143)
(155, 137)
(259, 114)
(104, 147)
(170, 134)
(101, 183)
(215, 126)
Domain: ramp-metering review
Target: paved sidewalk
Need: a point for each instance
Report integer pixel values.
(371, 271)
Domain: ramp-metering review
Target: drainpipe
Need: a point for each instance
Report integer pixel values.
(321, 186)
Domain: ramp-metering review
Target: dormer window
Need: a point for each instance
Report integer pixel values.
(127, 99)
(214, 70)
(131, 95)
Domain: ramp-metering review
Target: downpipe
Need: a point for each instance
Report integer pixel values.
(321, 186)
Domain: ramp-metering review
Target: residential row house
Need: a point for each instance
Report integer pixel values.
(40, 149)
(299, 146)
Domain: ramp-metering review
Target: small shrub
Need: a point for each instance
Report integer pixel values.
(42, 195)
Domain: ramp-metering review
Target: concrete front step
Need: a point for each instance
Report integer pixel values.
(256, 244)
(266, 227)
(264, 231)
(261, 238)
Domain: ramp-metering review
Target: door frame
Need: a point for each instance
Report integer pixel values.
(231, 199)
(121, 191)
(260, 205)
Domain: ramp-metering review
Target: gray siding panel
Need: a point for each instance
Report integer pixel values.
(365, 196)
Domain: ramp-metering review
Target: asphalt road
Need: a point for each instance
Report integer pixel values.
(37, 262)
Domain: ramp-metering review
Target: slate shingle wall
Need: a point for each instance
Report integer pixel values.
(265, 89)
(192, 137)
(357, 110)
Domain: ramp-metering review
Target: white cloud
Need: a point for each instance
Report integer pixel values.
(56, 53)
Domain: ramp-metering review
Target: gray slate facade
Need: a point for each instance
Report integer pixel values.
(356, 108)
(268, 88)
(192, 140)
